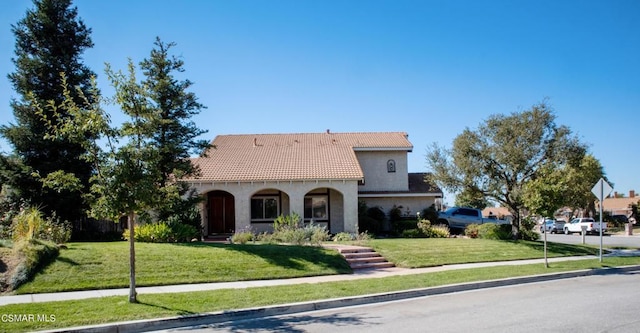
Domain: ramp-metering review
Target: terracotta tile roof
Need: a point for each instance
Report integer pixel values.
(618, 204)
(497, 211)
(299, 156)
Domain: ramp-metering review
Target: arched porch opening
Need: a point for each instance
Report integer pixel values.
(325, 206)
(266, 206)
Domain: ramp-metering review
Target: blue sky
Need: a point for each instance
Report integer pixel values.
(428, 68)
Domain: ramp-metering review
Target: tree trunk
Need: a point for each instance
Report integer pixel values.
(132, 260)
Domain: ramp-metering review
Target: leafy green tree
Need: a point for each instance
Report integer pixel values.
(503, 154)
(50, 39)
(125, 157)
(580, 179)
(564, 185)
(176, 134)
(546, 194)
(470, 198)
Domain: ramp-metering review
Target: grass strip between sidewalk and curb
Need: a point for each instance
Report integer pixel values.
(117, 309)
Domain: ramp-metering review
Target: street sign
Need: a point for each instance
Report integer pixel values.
(601, 190)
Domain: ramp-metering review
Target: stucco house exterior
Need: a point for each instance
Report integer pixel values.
(248, 180)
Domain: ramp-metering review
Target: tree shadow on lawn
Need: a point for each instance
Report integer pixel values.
(560, 249)
(286, 256)
(180, 312)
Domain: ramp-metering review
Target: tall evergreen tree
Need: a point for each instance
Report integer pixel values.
(50, 39)
(176, 135)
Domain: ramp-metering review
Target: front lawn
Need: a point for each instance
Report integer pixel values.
(113, 309)
(427, 252)
(106, 265)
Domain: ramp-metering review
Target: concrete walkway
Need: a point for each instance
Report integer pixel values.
(260, 312)
(358, 274)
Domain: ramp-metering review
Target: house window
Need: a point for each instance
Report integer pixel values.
(316, 208)
(391, 166)
(264, 208)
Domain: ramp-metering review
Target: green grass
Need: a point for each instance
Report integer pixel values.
(112, 309)
(106, 265)
(420, 252)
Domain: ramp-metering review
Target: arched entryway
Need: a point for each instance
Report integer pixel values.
(221, 212)
(325, 207)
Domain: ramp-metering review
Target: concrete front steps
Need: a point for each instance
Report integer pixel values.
(364, 257)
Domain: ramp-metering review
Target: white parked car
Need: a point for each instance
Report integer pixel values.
(591, 226)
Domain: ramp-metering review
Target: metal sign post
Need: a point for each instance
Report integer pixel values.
(601, 190)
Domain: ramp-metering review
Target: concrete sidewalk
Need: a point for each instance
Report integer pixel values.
(260, 312)
(358, 274)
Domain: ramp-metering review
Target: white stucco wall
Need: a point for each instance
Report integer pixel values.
(376, 176)
(343, 200)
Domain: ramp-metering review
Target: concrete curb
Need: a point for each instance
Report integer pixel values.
(252, 313)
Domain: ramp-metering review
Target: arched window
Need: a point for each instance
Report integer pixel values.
(391, 166)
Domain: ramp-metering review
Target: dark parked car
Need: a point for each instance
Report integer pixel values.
(619, 219)
(551, 226)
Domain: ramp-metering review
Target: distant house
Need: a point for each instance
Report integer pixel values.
(500, 213)
(618, 205)
(249, 180)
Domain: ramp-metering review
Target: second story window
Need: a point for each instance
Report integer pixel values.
(391, 166)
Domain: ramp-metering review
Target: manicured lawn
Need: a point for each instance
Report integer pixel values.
(420, 252)
(106, 265)
(112, 309)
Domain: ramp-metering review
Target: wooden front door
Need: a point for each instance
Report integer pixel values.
(222, 213)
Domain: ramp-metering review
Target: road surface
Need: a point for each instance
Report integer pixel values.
(607, 240)
(601, 303)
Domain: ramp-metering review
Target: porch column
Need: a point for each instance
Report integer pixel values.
(350, 194)
(296, 204)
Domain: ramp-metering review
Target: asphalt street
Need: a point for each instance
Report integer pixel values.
(607, 240)
(600, 303)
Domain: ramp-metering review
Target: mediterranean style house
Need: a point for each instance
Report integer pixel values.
(249, 180)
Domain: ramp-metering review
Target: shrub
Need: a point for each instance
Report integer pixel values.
(439, 231)
(242, 236)
(317, 234)
(30, 224)
(413, 233)
(527, 225)
(399, 226)
(472, 231)
(495, 231)
(343, 237)
(430, 213)
(183, 233)
(54, 230)
(366, 223)
(376, 213)
(27, 224)
(295, 236)
(284, 222)
(33, 255)
(162, 232)
(527, 234)
(265, 237)
(347, 237)
(433, 231)
(395, 213)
